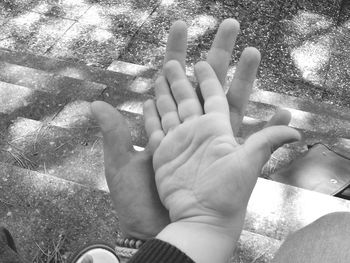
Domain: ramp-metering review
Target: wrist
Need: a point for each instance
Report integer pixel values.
(201, 241)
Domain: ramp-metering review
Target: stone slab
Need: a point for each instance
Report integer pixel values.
(13, 8)
(338, 77)
(69, 68)
(90, 45)
(344, 14)
(203, 18)
(305, 31)
(256, 248)
(58, 145)
(21, 101)
(69, 146)
(48, 82)
(72, 154)
(303, 120)
(40, 210)
(285, 101)
(121, 16)
(33, 32)
(62, 8)
(132, 102)
(275, 210)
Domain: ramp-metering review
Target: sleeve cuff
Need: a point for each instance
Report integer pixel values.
(155, 250)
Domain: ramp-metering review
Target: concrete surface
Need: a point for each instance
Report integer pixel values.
(57, 55)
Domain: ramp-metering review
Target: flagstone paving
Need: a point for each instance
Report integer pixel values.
(57, 56)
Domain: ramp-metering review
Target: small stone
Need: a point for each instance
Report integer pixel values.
(9, 214)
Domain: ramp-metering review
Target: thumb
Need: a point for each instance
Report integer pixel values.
(117, 144)
(260, 145)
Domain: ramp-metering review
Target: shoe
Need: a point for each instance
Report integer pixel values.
(95, 253)
(8, 251)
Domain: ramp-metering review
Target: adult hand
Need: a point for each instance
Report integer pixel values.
(204, 177)
(141, 213)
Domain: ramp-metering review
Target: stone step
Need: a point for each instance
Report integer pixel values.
(39, 209)
(137, 78)
(69, 146)
(121, 74)
(303, 120)
(275, 210)
(290, 102)
(332, 127)
(21, 101)
(122, 97)
(256, 248)
(38, 95)
(44, 81)
(42, 211)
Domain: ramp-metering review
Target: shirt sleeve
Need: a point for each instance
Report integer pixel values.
(158, 251)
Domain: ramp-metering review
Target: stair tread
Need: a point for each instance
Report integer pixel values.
(276, 210)
(72, 69)
(287, 101)
(131, 101)
(83, 214)
(37, 208)
(42, 80)
(254, 247)
(42, 207)
(122, 74)
(70, 145)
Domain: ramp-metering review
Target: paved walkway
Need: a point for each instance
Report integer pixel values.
(56, 56)
(304, 44)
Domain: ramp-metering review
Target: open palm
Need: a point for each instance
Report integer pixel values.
(201, 171)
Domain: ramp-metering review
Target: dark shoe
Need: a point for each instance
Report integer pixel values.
(8, 252)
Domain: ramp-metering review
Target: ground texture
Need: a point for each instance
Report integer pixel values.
(56, 56)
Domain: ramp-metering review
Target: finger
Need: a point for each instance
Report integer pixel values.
(116, 137)
(211, 89)
(152, 125)
(177, 43)
(281, 117)
(241, 86)
(166, 105)
(260, 145)
(185, 96)
(219, 55)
